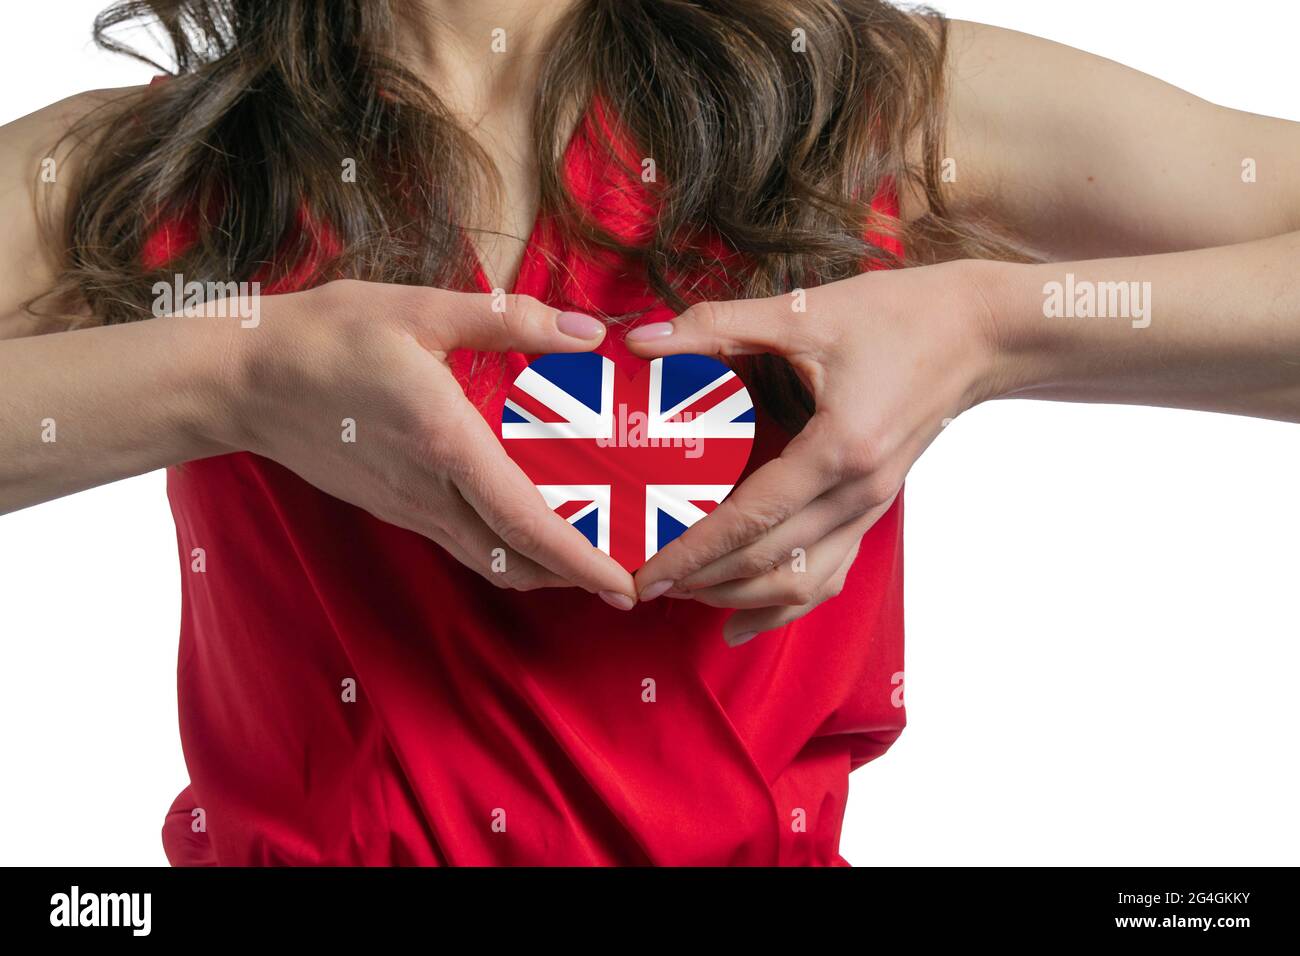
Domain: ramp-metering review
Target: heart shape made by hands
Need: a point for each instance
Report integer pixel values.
(631, 463)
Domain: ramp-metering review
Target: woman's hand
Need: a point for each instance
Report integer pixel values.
(890, 357)
(422, 458)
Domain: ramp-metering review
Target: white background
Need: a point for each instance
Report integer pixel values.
(1102, 602)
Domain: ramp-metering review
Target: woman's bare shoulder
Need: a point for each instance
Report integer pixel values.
(39, 154)
(29, 140)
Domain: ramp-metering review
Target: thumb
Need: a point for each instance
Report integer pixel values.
(735, 327)
(513, 323)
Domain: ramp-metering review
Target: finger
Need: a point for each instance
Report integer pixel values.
(499, 323)
(792, 584)
(744, 626)
(736, 327)
(849, 504)
(777, 490)
(496, 488)
(478, 548)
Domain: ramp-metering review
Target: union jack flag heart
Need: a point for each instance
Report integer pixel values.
(631, 463)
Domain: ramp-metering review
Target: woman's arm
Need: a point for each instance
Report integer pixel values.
(1080, 157)
(81, 408)
(1077, 156)
(85, 408)
(892, 357)
(1074, 156)
(1219, 329)
(88, 407)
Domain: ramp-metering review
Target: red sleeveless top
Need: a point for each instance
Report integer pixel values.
(498, 727)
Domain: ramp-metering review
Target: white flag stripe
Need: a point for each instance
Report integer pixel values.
(714, 423)
(675, 501)
(544, 430)
(598, 495)
(580, 421)
(532, 419)
(656, 398)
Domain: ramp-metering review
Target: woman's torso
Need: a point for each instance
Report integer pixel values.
(350, 694)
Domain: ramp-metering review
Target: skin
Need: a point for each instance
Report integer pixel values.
(129, 399)
(492, 97)
(1062, 147)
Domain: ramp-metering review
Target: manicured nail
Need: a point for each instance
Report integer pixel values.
(656, 589)
(735, 640)
(578, 325)
(617, 599)
(651, 332)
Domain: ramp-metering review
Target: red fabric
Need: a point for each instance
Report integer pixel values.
(476, 705)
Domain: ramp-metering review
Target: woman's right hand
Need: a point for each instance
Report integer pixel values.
(423, 457)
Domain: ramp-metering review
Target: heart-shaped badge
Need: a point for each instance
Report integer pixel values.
(631, 463)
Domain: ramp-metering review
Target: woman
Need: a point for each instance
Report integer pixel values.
(391, 651)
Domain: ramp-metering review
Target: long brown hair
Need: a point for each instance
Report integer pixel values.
(772, 140)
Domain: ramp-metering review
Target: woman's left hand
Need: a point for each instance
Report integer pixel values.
(889, 357)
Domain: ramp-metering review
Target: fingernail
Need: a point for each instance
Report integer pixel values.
(617, 599)
(578, 325)
(651, 332)
(656, 589)
(735, 640)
